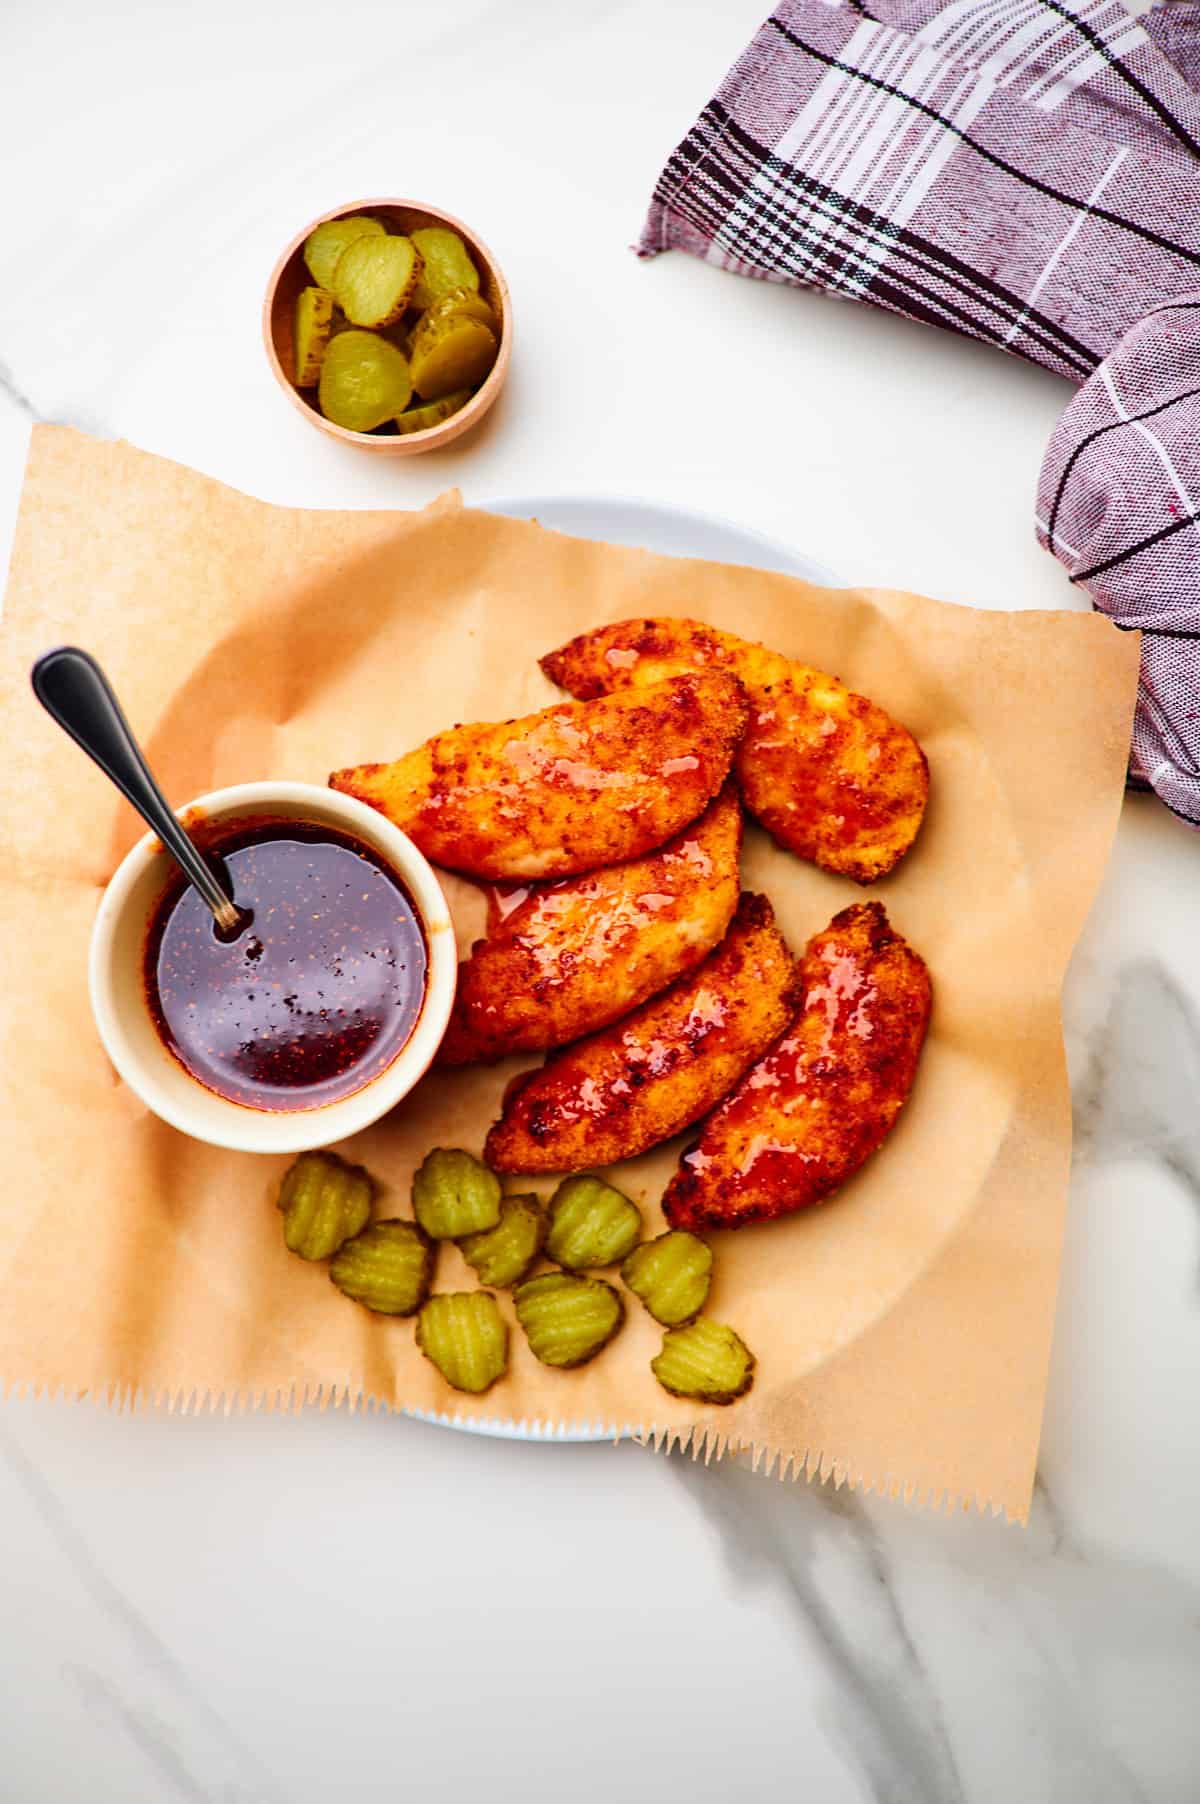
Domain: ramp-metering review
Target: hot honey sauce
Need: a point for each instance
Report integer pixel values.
(319, 992)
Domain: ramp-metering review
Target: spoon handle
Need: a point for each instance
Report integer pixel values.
(72, 687)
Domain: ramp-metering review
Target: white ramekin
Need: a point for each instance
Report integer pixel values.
(131, 1038)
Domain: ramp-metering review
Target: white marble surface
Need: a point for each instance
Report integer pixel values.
(237, 1610)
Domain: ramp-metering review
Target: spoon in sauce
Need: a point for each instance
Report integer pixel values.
(73, 689)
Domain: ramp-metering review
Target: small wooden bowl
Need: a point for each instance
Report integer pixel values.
(290, 275)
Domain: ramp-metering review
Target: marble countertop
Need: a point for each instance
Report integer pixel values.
(261, 1610)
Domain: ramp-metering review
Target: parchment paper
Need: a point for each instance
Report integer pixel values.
(902, 1330)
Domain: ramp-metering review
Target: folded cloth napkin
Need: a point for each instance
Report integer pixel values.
(1026, 172)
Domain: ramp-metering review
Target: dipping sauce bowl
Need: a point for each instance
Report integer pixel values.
(258, 1114)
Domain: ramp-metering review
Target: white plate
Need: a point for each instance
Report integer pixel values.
(677, 533)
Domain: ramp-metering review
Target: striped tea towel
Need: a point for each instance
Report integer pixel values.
(1026, 172)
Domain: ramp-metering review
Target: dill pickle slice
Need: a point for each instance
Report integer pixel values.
(455, 1194)
(466, 1337)
(502, 1255)
(324, 1200)
(325, 243)
(451, 353)
(364, 381)
(432, 413)
(591, 1224)
(567, 1319)
(387, 1268)
(310, 333)
(447, 264)
(466, 303)
(375, 278)
(704, 1361)
(671, 1276)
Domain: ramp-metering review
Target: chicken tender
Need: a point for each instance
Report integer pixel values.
(831, 776)
(572, 956)
(809, 1114)
(579, 785)
(647, 1077)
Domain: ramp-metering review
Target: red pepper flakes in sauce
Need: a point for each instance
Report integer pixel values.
(320, 991)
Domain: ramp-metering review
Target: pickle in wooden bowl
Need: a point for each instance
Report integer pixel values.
(420, 282)
(364, 381)
(312, 329)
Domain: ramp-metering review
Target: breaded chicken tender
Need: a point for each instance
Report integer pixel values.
(831, 776)
(652, 1074)
(809, 1114)
(576, 786)
(567, 958)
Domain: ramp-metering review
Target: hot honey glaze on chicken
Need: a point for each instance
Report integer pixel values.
(649, 1076)
(811, 1112)
(563, 959)
(569, 789)
(829, 773)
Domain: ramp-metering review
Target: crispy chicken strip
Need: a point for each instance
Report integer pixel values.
(818, 1105)
(578, 785)
(647, 1077)
(567, 958)
(830, 775)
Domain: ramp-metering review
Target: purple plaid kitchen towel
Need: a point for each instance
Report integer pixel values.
(1026, 172)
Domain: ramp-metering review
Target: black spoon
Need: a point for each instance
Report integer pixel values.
(72, 687)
